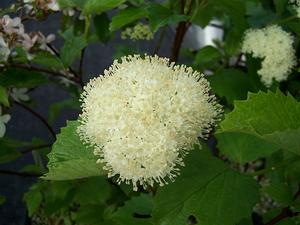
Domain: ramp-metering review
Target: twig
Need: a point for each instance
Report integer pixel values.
(40, 117)
(21, 174)
(180, 32)
(80, 75)
(32, 148)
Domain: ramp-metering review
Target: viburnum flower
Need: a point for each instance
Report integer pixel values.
(275, 47)
(144, 115)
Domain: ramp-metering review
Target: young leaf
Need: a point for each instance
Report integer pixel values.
(72, 49)
(208, 190)
(48, 60)
(101, 26)
(206, 57)
(96, 6)
(160, 16)
(21, 78)
(70, 158)
(33, 199)
(3, 96)
(127, 16)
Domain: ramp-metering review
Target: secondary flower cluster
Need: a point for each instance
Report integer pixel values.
(144, 115)
(275, 47)
(12, 35)
(138, 32)
(296, 4)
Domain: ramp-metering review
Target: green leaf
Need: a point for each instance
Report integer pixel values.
(231, 84)
(90, 214)
(280, 192)
(272, 117)
(48, 60)
(3, 96)
(21, 78)
(207, 57)
(101, 26)
(33, 199)
(243, 147)
(208, 190)
(8, 150)
(204, 14)
(140, 206)
(95, 190)
(127, 16)
(70, 158)
(160, 16)
(72, 49)
(96, 6)
(2, 199)
(280, 6)
(56, 108)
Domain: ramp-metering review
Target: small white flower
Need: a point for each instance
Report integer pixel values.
(275, 47)
(3, 120)
(53, 5)
(296, 4)
(43, 41)
(28, 42)
(144, 115)
(69, 12)
(19, 94)
(4, 50)
(11, 26)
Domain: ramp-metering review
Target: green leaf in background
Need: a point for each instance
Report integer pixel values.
(57, 107)
(33, 199)
(70, 158)
(3, 96)
(208, 190)
(160, 16)
(8, 150)
(231, 84)
(94, 190)
(90, 214)
(48, 60)
(204, 14)
(96, 6)
(207, 57)
(127, 16)
(139, 206)
(21, 78)
(272, 117)
(101, 26)
(280, 6)
(2, 199)
(72, 49)
(280, 192)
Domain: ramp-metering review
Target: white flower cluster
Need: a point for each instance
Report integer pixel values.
(296, 4)
(138, 32)
(12, 34)
(4, 118)
(45, 5)
(144, 115)
(275, 47)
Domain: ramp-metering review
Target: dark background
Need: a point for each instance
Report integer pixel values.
(23, 126)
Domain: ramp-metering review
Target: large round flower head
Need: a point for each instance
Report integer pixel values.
(144, 115)
(275, 47)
